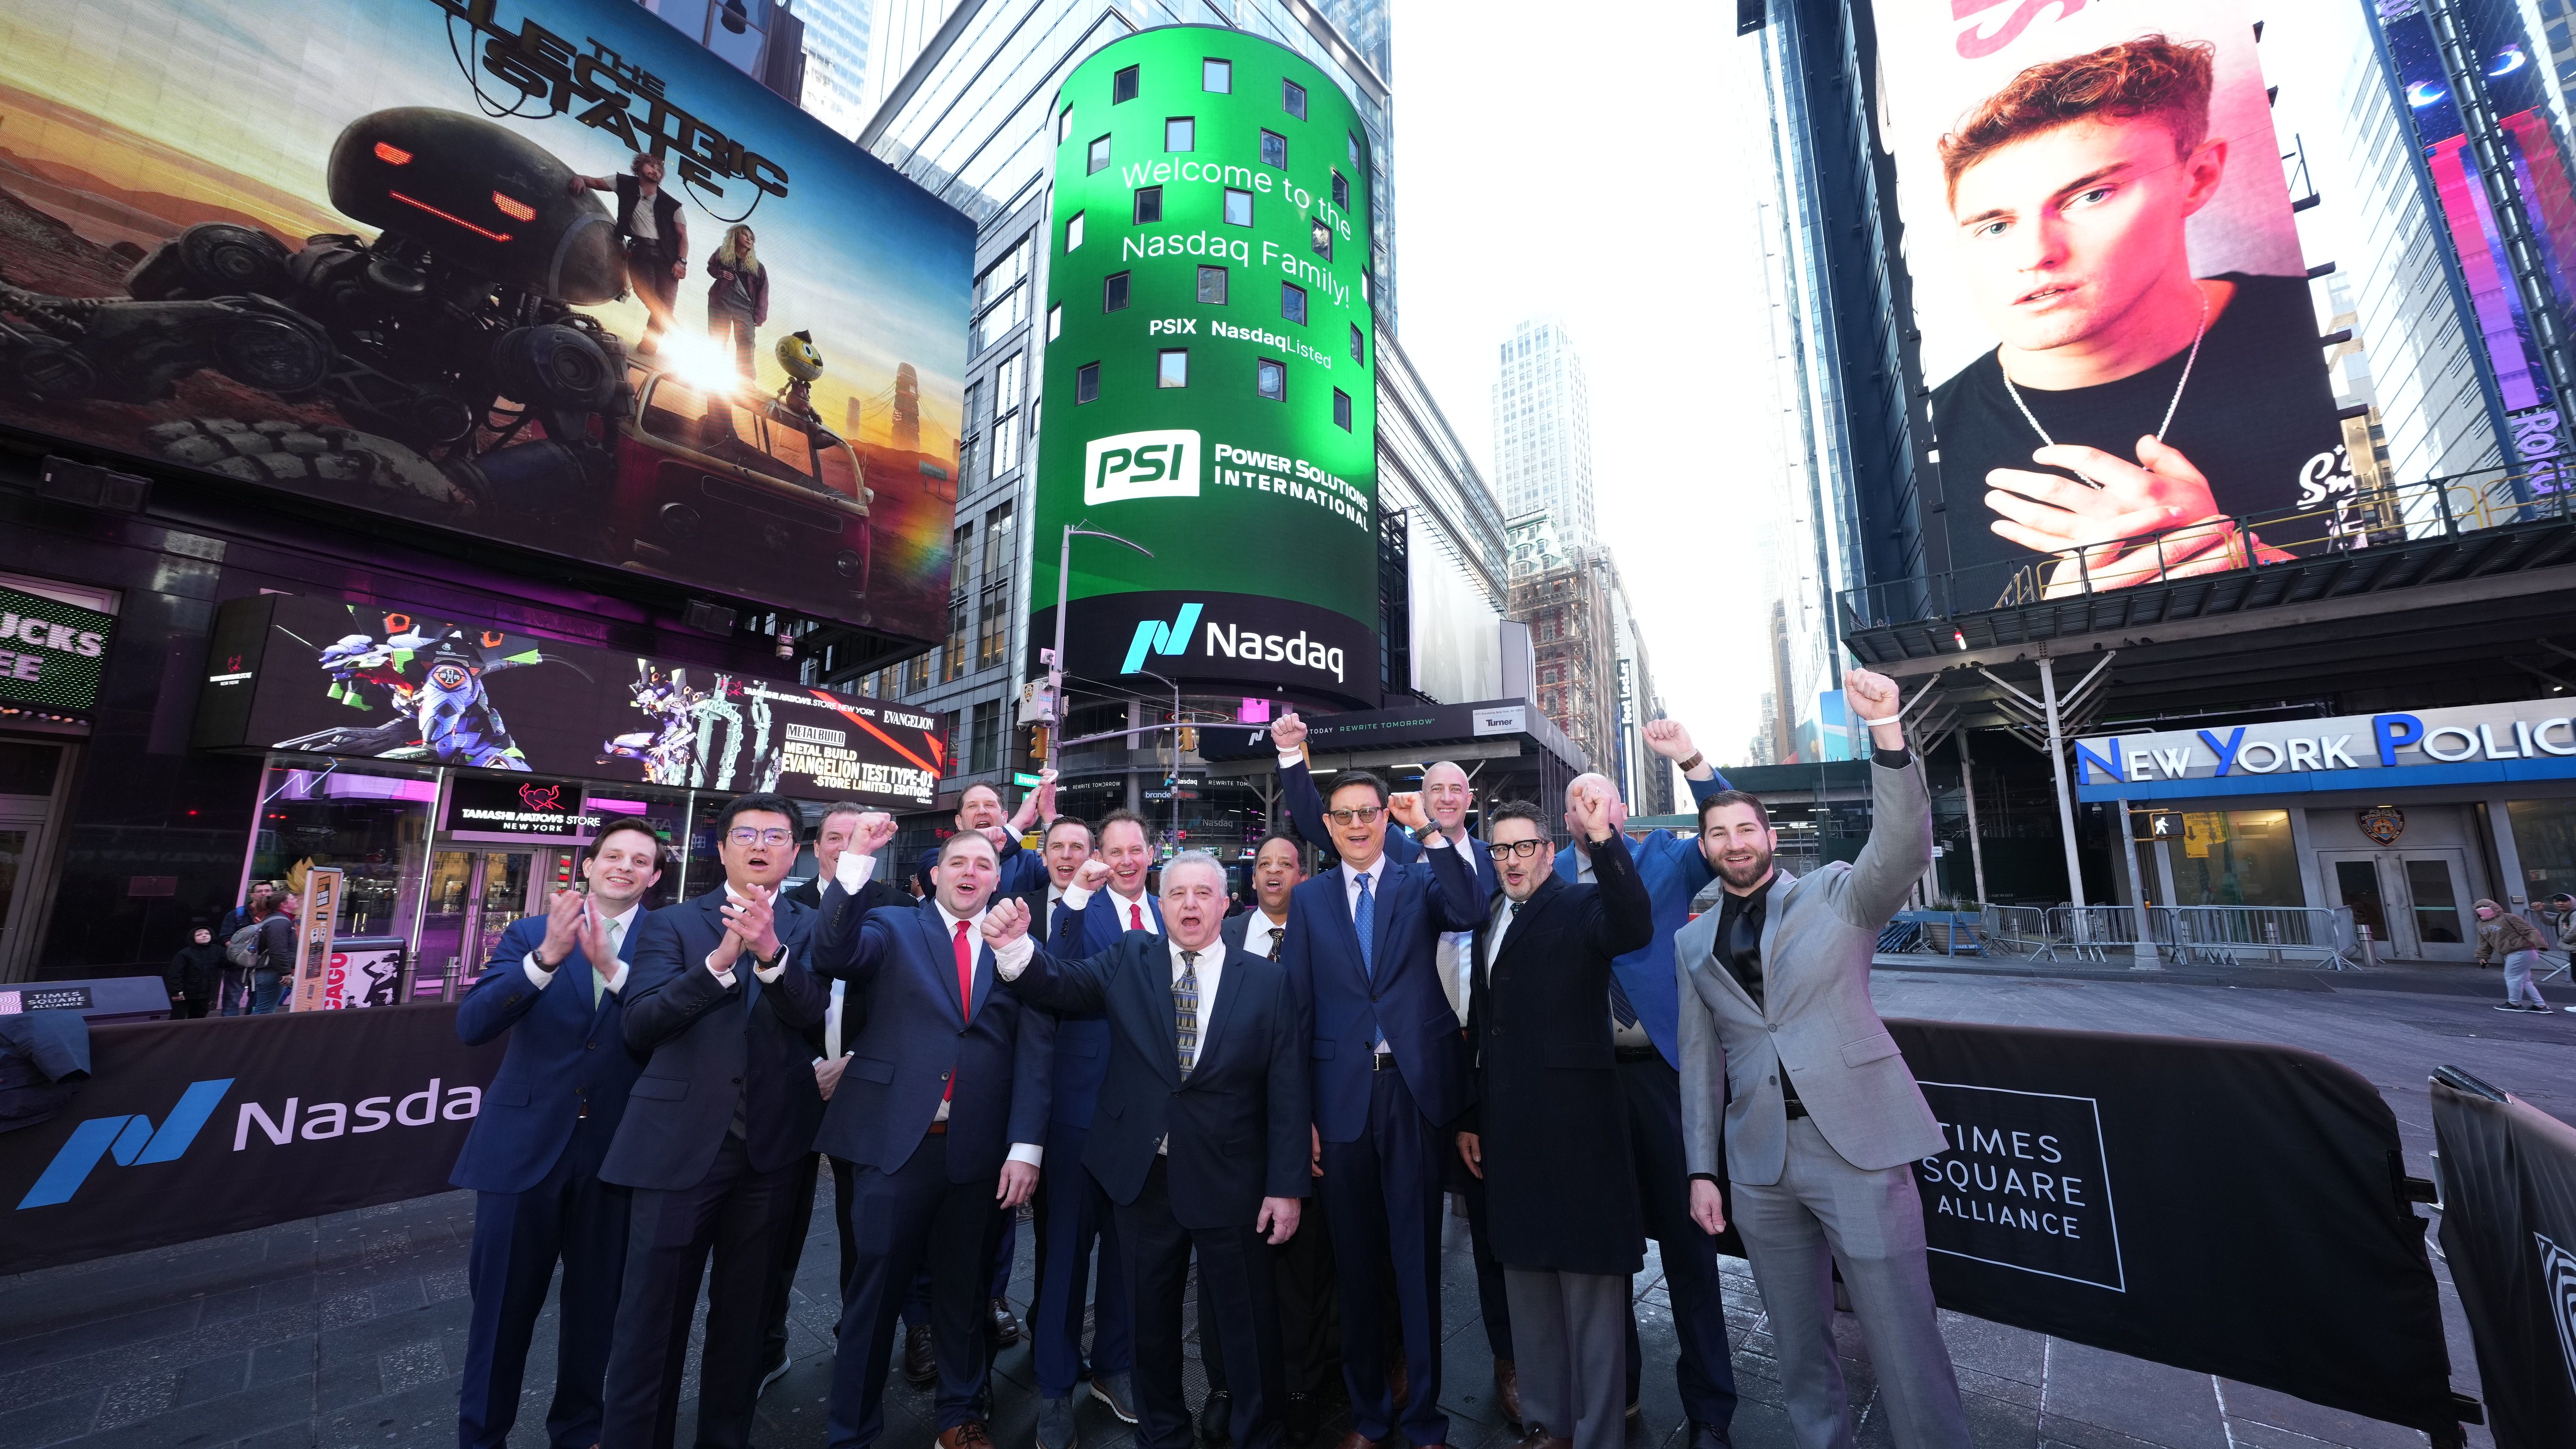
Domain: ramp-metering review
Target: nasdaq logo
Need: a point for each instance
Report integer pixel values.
(1129, 466)
(1153, 636)
(132, 1140)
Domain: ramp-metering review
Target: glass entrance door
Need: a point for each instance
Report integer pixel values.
(2415, 902)
(473, 896)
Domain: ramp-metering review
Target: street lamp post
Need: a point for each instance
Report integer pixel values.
(1063, 593)
(1172, 777)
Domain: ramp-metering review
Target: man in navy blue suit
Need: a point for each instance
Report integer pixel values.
(721, 998)
(940, 1114)
(1198, 1141)
(1090, 915)
(1389, 1075)
(979, 811)
(1444, 800)
(1645, 1018)
(534, 1155)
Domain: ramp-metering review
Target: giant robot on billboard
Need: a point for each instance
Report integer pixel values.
(2127, 381)
(539, 271)
(1210, 386)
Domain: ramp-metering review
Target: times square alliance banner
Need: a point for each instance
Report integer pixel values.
(340, 249)
(2114, 312)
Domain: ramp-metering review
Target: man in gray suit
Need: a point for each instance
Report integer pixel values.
(1821, 1118)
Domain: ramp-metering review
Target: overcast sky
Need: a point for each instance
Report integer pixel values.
(1549, 162)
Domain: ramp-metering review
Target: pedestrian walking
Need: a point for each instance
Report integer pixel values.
(277, 953)
(2519, 942)
(193, 974)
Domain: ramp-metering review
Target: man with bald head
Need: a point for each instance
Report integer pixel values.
(1202, 1142)
(940, 1115)
(979, 809)
(1645, 1011)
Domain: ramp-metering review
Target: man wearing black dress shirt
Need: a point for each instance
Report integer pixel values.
(1786, 1064)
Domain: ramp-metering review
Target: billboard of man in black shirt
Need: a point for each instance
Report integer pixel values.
(2133, 413)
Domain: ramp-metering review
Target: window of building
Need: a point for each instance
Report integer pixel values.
(1359, 346)
(916, 674)
(1006, 445)
(987, 738)
(1292, 303)
(1322, 232)
(1274, 150)
(1238, 207)
(961, 613)
(1270, 379)
(1001, 298)
(1063, 125)
(1212, 285)
(1341, 191)
(1149, 205)
(1217, 76)
(1122, 86)
(1181, 133)
(2237, 858)
(1355, 149)
(1172, 367)
(1086, 383)
(1341, 410)
(1073, 232)
(1292, 99)
(2544, 835)
(1113, 297)
(1099, 155)
(1009, 382)
(1055, 323)
(1000, 568)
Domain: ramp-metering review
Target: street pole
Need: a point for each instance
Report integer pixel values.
(1055, 660)
(2146, 950)
(2065, 796)
(1976, 846)
(1172, 776)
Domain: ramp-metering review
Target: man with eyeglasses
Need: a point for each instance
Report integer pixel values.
(1444, 800)
(719, 999)
(1390, 1074)
(941, 1117)
(1548, 1114)
(1645, 1013)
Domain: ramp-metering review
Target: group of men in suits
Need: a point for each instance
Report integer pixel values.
(1432, 1012)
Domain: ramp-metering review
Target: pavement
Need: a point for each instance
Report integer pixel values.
(350, 1330)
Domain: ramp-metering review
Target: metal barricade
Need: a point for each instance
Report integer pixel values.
(2014, 930)
(2089, 933)
(2312, 936)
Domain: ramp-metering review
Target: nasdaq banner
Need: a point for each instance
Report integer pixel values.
(2115, 313)
(321, 677)
(1210, 370)
(541, 273)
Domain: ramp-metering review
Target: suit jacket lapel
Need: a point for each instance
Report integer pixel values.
(1215, 1011)
(1776, 895)
(1151, 970)
(1385, 897)
(943, 955)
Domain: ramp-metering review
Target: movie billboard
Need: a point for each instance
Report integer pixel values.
(2115, 316)
(317, 676)
(540, 271)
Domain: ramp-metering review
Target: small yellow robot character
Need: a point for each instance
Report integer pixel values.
(804, 362)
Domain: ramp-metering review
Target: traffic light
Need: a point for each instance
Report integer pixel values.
(1037, 741)
(1189, 738)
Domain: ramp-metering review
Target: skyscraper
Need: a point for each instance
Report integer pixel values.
(1543, 432)
(837, 36)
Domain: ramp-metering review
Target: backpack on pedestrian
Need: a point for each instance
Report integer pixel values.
(241, 948)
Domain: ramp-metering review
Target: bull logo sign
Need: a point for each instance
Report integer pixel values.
(548, 800)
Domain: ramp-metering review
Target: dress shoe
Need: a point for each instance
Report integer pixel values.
(920, 1366)
(1356, 1440)
(1539, 1438)
(1710, 1436)
(1301, 1419)
(1507, 1386)
(1216, 1417)
(1115, 1391)
(1055, 1424)
(970, 1435)
(1005, 1328)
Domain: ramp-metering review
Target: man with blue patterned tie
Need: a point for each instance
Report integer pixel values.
(1389, 1075)
(534, 1154)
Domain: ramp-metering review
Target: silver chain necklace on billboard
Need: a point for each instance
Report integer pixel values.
(2179, 383)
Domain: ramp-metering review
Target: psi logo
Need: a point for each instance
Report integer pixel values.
(1162, 464)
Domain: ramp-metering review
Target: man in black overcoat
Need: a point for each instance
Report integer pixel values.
(1549, 1133)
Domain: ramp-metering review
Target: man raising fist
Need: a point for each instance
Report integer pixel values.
(1821, 1119)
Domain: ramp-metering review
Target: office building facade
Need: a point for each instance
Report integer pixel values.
(1543, 431)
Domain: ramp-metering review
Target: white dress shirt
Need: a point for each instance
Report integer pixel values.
(619, 926)
(767, 974)
(1011, 960)
(1211, 967)
(1259, 930)
(1077, 898)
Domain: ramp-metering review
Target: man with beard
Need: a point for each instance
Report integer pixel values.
(1785, 1062)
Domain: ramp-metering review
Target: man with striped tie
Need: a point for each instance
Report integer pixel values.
(1201, 1141)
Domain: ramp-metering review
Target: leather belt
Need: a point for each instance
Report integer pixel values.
(938, 1129)
(1637, 1054)
(1794, 1107)
(1382, 1061)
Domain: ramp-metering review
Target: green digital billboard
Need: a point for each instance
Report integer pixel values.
(1210, 364)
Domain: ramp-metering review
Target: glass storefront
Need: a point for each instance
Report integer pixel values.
(2544, 835)
(2237, 858)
